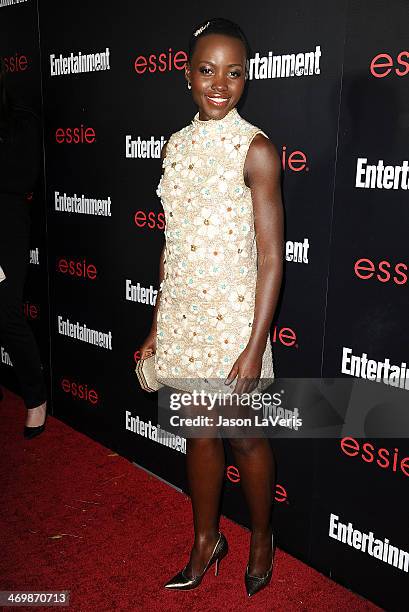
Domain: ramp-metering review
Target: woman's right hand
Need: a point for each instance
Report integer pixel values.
(148, 346)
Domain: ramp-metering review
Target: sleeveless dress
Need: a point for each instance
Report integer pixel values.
(207, 302)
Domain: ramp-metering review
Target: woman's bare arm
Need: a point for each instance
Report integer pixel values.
(262, 174)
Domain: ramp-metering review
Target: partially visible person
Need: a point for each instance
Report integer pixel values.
(20, 163)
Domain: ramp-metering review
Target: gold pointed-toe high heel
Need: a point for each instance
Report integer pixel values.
(254, 584)
(183, 582)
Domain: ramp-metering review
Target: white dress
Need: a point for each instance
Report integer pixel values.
(207, 302)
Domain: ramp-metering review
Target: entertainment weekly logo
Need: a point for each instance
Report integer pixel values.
(367, 543)
(287, 65)
(82, 333)
(142, 295)
(4, 3)
(34, 257)
(297, 252)
(5, 357)
(82, 204)
(384, 64)
(154, 432)
(233, 475)
(379, 176)
(76, 63)
(137, 148)
(378, 371)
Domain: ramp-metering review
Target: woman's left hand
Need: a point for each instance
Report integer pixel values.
(247, 368)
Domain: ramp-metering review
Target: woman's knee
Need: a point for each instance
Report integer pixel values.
(246, 446)
(203, 443)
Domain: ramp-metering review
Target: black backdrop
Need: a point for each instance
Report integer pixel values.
(324, 125)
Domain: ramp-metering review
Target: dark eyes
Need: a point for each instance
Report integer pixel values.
(206, 70)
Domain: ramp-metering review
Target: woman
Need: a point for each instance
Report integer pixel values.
(20, 161)
(220, 273)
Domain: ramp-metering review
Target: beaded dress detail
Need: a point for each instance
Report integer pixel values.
(207, 303)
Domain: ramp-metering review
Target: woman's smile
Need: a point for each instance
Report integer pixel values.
(219, 101)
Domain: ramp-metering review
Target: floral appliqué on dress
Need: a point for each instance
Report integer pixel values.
(207, 302)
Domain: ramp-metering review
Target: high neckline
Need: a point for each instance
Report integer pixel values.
(231, 117)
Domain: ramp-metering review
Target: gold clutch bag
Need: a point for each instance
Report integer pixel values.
(145, 371)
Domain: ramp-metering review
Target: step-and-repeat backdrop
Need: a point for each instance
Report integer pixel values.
(113, 90)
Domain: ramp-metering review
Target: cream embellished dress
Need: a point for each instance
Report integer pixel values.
(207, 302)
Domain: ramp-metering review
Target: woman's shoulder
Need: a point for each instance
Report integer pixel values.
(262, 150)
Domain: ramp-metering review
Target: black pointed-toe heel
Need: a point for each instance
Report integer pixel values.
(33, 432)
(183, 582)
(254, 584)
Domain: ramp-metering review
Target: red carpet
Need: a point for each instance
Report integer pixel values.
(76, 516)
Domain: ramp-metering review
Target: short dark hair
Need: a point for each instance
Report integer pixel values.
(218, 25)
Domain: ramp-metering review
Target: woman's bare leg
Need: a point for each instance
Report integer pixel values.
(205, 471)
(256, 464)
